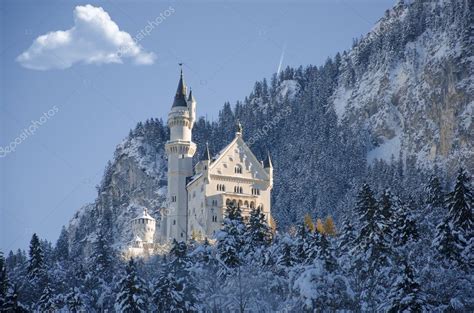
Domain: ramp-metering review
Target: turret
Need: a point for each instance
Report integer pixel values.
(267, 164)
(181, 118)
(143, 227)
(180, 150)
(192, 106)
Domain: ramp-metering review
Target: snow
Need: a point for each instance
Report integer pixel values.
(385, 150)
(289, 87)
(341, 97)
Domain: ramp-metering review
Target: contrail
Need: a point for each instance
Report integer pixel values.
(281, 59)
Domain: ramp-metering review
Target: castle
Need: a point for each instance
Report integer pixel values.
(198, 196)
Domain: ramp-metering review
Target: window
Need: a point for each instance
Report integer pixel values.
(214, 218)
(256, 191)
(220, 187)
(173, 198)
(238, 169)
(174, 222)
(238, 189)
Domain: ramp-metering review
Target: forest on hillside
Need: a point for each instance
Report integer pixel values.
(387, 255)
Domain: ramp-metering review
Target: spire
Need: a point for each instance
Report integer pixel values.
(268, 161)
(180, 97)
(207, 154)
(190, 97)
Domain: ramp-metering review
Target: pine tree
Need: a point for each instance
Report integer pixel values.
(231, 239)
(300, 246)
(61, 251)
(259, 234)
(372, 254)
(102, 260)
(36, 261)
(325, 252)
(434, 193)
(405, 294)
(405, 229)
(449, 243)
(347, 237)
(459, 203)
(11, 302)
(3, 281)
(46, 302)
(285, 258)
(175, 289)
(455, 232)
(366, 204)
(74, 301)
(132, 296)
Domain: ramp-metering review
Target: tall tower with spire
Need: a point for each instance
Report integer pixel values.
(180, 150)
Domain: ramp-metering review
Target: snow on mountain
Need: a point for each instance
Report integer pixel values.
(405, 89)
(414, 83)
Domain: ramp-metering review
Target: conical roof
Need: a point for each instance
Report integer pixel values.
(180, 97)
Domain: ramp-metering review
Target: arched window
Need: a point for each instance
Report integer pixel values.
(238, 169)
(252, 205)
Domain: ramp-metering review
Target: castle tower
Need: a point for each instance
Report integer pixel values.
(180, 150)
(143, 227)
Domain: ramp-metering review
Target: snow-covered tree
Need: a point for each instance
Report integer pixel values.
(75, 301)
(347, 237)
(36, 260)
(404, 224)
(320, 289)
(133, 294)
(4, 284)
(459, 203)
(405, 294)
(12, 303)
(175, 289)
(259, 233)
(231, 238)
(372, 254)
(61, 250)
(455, 233)
(47, 301)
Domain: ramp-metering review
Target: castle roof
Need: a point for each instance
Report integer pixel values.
(207, 154)
(144, 215)
(180, 97)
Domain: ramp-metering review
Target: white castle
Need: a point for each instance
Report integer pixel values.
(198, 197)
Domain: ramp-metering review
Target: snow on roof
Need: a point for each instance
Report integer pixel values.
(144, 215)
(193, 179)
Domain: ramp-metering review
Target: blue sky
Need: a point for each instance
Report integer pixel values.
(75, 116)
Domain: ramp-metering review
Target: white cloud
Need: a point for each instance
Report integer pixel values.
(94, 39)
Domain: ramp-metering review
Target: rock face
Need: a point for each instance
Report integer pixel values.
(404, 93)
(411, 83)
(135, 180)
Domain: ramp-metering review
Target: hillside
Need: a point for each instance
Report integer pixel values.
(393, 109)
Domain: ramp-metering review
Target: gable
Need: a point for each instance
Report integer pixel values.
(238, 155)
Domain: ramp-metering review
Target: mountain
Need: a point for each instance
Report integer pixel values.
(392, 110)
